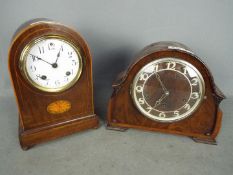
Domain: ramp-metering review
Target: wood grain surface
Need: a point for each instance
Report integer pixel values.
(203, 125)
(36, 123)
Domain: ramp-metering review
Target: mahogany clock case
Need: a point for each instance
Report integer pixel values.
(203, 125)
(36, 123)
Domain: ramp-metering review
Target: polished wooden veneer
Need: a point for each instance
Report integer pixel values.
(37, 125)
(203, 125)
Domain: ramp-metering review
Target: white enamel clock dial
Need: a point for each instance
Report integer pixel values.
(51, 63)
(168, 89)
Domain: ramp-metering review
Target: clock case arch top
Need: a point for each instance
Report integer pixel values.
(203, 125)
(36, 124)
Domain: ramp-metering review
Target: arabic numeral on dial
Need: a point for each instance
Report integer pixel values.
(144, 77)
(185, 70)
(57, 82)
(141, 101)
(149, 108)
(156, 68)
(51, 46)
(70, 54)
(139, 89)
(37, 76)
(194, 82)
(74, 63)
(171, 65)
(187, 106)
(33, 58)
(66, 79)
(162, 115)
(41, 49)
(195, 95)
(176, 113)
(33, 68)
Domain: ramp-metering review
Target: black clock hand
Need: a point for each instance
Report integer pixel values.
(58, 54)
(43, 77)
(40, 59)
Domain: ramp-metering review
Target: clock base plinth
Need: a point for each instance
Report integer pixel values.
(25, 148)
(115, 128)
(206, 141)
(29, 138)
(208, 138)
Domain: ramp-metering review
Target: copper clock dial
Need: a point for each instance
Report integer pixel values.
(168, 89)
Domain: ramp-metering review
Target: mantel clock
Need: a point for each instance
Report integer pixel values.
(51, 70)
(167, 89)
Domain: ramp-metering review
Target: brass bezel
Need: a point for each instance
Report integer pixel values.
(23, 57)
(174, 119)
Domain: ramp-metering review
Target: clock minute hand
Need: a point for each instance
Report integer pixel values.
(161, 83)
(40, 59)
(58, 55)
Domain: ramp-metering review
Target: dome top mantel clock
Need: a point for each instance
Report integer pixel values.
(168, 89)
(51, 70)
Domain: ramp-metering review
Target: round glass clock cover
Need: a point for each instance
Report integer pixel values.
(51, 63)
(168, 89)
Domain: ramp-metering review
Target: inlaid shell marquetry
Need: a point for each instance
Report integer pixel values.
(58, 107)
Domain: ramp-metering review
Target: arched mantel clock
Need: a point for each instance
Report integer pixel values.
(167, 89)
(51, 70)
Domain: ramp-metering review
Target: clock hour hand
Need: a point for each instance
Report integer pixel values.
(43, 77)
(40, 59)
(160, 100)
